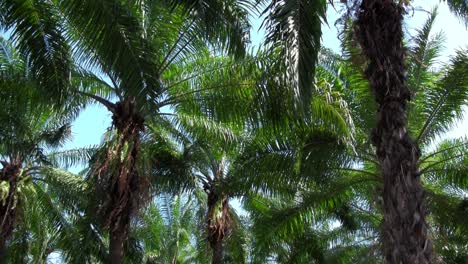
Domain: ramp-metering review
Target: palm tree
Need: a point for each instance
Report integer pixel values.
(212, 173)
(29, 128)
(379, 32)
(438, 98)
(438, 101)
(135, 46)
(209, 135)
(32, 130)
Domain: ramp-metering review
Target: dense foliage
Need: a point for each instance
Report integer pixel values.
(218, 153)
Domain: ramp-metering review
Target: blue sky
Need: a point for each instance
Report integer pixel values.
(92, 122)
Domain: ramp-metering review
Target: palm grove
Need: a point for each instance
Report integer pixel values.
(335, 158)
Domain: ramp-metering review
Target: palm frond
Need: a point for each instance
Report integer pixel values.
(236, 242)
(71, 158)
(459, 8)
(225, 23)
(423, 52)
(38, 31)
(447, 165)
(111, 38)
(294, 28)
(443, 102)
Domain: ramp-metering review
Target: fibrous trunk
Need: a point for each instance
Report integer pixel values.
(219, 222)
(2, 251)
(404, 234)
(122, 184)
(116, 244)
(8, 206)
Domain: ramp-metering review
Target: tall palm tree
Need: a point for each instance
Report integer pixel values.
(135, 45)
(212, 173)
(32, 130)
(29, 128)
(207, 125)
(197, 101)
(438, 101)
(379, 32)
(438, 97)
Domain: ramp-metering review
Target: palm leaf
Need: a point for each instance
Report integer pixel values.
(459, 8)
(111, 38)
(225, 23)
(37, 28)
(443, 102)
(294, 28)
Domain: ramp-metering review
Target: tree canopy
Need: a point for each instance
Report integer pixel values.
(220, 153)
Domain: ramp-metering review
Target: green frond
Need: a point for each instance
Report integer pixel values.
(10, 57)
(237, 241)
(342, 83)
(111, 38)
(449, 213)
(441, 104)
(219, 88)
(70, 190)
(279, 163)
(294, 28)
(71, 158)
(459, 8)
(447, 165)
(224, 23)
(199, 125)
(170, 171)
(167, 229)
(424, 50)
(307, 209)
(89, 82)
(37, 29)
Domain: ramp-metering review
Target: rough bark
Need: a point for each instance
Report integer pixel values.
(218, 224)
(2, 251)
(8, 208)
(122, 186)
(116, 245)
(404, 234)
(217, 252)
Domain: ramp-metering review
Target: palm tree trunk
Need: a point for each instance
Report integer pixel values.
(116, 246)
(218, 224)
(124, 191)
(217, 252)
(379, 32)
(8, 210)
(2, 250)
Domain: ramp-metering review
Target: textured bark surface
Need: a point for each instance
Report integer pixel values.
(2, 251)
(217, 252)
(119, 179)
(219, 223)
(116, 245)
(8, 208)
(379, 32)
